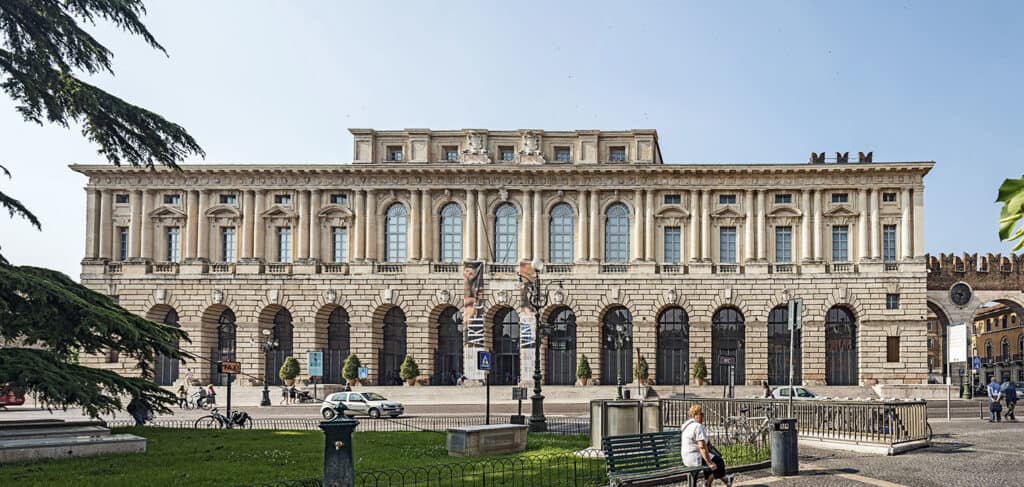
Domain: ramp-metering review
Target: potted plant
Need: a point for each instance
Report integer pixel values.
(583, 372)
(289, 371)
(409, 370)
(643, 371)
(350, 370)
(700, 371)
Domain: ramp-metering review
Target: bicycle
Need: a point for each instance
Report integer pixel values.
(239, 419)
(738, 429)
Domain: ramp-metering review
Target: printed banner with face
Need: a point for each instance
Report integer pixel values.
(472, 313)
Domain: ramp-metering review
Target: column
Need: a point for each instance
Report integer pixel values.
(248, 216)
(583, 237)
(748, 236)
(694, 233)
(906, 249)
(862, 225)
(315, 203)
(359, 226)
(414, 225)
(817, 225)
(876, 231)
(370, 233)
(259, 227)
(760, 237)
(92, 202)
(482, 240)
(526, 236)
(146, 227)
(918, 235)
(594, 229)
(649, 227)
(191, 224)
(469, 227)
(636, 238)
(106, 220)
(301, 249)
(427, 226)
(134, 233)
(805, 225)
(203, 226)
(538, 246)
(705, 226)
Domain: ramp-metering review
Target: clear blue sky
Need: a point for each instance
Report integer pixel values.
(260, 81)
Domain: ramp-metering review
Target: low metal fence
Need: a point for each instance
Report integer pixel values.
(562, 425)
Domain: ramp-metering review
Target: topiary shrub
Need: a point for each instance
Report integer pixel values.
(350, 370)
(583, 372)
(409, 370)
(643, 371)
(700, 370)
(289, 370)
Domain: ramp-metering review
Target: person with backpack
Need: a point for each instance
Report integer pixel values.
(994, 407)
(697, 450)
(1010, 397)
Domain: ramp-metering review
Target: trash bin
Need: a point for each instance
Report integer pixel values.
(785, 459)
(517, 419)
(625, 393)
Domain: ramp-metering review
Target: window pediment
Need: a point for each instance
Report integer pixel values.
(784, 212)
(279, 212)
(223, 211)
(167, 215)
(335, 216)
(841, 211)
(727, 212)
(672, 216)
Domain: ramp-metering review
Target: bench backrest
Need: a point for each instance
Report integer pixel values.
(642, 453)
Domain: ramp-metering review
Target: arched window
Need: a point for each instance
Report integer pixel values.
(840, 347)
(338, 345)
(393, 351)
(616, 329)
(448, 357)
(225, 350)
(506, 234)
(561, 348)
(282, 333)
(165, 370)
(505, 365)
(673, 347)
(1004, 349)
(451, 233)
(988, 350)
(778, 348)
(560, 234)
(727, 346)
(395, 233)
(616, 234)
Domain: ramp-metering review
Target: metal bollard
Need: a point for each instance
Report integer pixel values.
(785, 456)
(338, 468)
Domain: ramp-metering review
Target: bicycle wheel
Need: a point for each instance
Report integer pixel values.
(208, 422)
(203, 404)
(246, 423)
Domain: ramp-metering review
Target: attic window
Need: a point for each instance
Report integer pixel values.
(840, 197)
(282, 199)
(783, 199)
(727, 199)
(617, 154)
(339, 199)
(172, 199)
(451, 153)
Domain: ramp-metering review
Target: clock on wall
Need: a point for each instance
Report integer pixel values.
(960, 294)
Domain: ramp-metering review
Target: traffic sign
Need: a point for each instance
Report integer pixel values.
(726, 360)
(364, 372)
(315, 363)
(795, 313)
(976, 363)
(519, 393)
(483, 360)
(229, 367)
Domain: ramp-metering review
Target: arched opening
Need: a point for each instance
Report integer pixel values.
(339, 331)
(506, 234)
(617, 346)
(282, 332)
(561, 348)
(448, 356)
(393, 351)
(451, 233)
(226, 347)
(505, 347)
(560, 234)
(165, 370)
(938, 368)
(616, 234)
(840, 347)
(673, 347)
(779, 355)
(728, 332)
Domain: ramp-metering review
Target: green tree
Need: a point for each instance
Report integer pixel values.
(350, 370)
(45, 317)
(643, 371)
(583, 368)
(289, 369)
(1011, 195)
(409, 369)
(700, 369)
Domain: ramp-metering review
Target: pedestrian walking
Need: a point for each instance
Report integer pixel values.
(995, 409)
(284, 395)
(292, 394)
(1010, 397)
(211, 395)
(137, 408)
(182, 396)
(767, 392)
(188, 376)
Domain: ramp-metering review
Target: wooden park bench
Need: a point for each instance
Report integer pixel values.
(647, 459)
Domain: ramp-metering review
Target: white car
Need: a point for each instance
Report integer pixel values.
(369, 403)
(800, 393)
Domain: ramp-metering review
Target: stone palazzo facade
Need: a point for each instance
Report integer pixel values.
(684, 261)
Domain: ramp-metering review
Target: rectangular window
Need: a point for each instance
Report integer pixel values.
(840, 245)
(451, 153)
(727, 199)
(508, 153)
(840, 198)
(339, 199)
(727, 245)
(892, 349)
(892, 301)
(284, 244)
(339, 242)
(888, 197)
(172, 199)
(783, 245)
(173, 244)
(282, 199)
(562, 154)
(673, 247)
(889, 243)
(121, 198)
(228, 199)
(617, 154)
(122, 243)
(673, 199)
(227, 244)
(783, 199)
(395, 153)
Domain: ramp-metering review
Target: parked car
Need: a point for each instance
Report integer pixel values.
(10, 398)
(369, 403)
(800, 393)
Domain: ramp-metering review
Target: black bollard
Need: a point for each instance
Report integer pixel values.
(338, 467)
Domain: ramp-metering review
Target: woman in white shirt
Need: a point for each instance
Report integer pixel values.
(696, 451)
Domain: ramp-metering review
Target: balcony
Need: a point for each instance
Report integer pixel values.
(502, 268)
(891, 267)
(840, 268)
(669, 269)
(783, 268)
(614, 268)
(728, 269)
(114, 268)
(335, 268)
(386, 268)
(444, 268)
(222, 268)
(558, 268)
(279, 268)
(165, 268)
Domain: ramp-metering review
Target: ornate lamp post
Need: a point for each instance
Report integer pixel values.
(269, 344)
(537, 295)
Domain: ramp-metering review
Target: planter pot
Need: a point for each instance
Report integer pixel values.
(351, 382)
(583, 381)
(289, 382)
(410, 382)
(700, 382)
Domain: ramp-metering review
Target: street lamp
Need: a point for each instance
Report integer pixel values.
(537, 296)
(269, 344)
(620, 343)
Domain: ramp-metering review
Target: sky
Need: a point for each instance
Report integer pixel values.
(281, 82)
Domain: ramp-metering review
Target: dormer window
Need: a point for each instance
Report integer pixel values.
(727, 199)
(563, 154)
(617, 154)
(783, 199)
(228, 199)
(508, 153)
(451, 153)
(121, 198)
(172, 199)
(282, 199)
(339, 199)
(395, 153)
(840, 198)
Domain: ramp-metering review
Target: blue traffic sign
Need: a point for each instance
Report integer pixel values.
(483, 360)
(364, 372)
(976, 363)
(315, 364)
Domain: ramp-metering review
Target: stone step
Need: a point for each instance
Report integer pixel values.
(47, 423)
(34, 448)
(53, 432)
